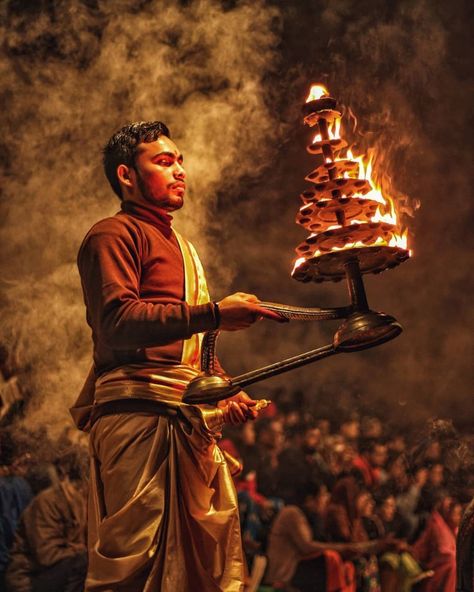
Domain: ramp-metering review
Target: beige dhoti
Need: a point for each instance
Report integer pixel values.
(167, 518)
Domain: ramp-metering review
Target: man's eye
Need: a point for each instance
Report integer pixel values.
(164, 162)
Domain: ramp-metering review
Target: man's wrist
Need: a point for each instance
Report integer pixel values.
(217, 314)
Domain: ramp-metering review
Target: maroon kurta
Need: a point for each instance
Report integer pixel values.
(133, 281)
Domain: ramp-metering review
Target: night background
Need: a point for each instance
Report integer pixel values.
(229, 79)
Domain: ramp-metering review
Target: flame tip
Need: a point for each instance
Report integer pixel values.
(316, 92)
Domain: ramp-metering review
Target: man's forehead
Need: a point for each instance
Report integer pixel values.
(161, 144)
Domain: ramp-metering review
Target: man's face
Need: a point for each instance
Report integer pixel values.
(159, 175)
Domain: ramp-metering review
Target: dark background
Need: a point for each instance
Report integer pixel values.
(229, 78)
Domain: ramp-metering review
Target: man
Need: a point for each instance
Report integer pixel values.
(49, 551)
(298, 464)
(162, 506)
(299, 558)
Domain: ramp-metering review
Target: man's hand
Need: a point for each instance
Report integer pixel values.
(238, 409)
(240, 310)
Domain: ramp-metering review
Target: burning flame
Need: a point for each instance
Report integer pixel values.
(298, 262)
(334, 132)
(316, 92)
(386, 211)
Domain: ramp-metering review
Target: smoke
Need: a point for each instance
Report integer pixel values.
(229, 79)
(74, 72)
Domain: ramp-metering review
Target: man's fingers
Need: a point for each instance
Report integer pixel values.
(251, 413)
(236, 412)
(248, 401)
(270, 314)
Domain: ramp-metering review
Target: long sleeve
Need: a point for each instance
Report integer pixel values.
(122, 317)
(298, 530)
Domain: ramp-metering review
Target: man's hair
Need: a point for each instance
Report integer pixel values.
(122, 147)
(72, 462)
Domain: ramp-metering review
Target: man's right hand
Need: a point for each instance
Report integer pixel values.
(240, 310)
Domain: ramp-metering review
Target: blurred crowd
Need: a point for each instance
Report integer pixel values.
(342, 504)
(348, 504)
(43, 492)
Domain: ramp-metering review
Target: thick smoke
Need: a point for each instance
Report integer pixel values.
(229, 79)
(73, 73)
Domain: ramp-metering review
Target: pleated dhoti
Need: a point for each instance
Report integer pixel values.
(163, 513)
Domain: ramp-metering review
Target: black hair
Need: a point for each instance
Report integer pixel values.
(72, 462)
(300, 492)
(122, 147)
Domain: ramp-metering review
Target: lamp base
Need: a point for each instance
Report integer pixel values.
(364, 329)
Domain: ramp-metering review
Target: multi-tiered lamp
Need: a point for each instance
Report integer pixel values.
(354, 231)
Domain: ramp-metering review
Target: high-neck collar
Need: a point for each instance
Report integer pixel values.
(155, 216)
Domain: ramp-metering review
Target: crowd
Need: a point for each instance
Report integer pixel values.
(332, 506)
(348, 504)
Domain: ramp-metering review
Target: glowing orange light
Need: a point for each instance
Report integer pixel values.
(316, 92)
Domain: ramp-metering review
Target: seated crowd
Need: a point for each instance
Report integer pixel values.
(348, 506)
(333, 507)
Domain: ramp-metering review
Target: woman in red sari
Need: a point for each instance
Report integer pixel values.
(436, 546)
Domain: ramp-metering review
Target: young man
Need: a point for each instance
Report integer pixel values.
(162, 507)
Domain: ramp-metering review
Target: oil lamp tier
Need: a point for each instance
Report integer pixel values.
(332, 170)
(331, 266)
(322, 214)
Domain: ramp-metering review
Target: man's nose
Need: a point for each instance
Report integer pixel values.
(179, 171)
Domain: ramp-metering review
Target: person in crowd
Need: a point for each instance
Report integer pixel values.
(464, 554)
(396, 442)
(398, 569)
(371, 428)
(349, 428)
(370, 462)
(339, 456)
(271, 442)
(15, 493)
(49, 550)
(435, 474)
(302, 463)
(407, 489)
(349, 503)
(435, 548)
(296, 559)
(324, 426)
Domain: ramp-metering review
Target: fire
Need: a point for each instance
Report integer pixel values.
(316, 92)
(381, 226)
(334, 133)
(298, 262)
(386, 212)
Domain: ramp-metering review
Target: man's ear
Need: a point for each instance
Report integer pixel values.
(124, 175)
